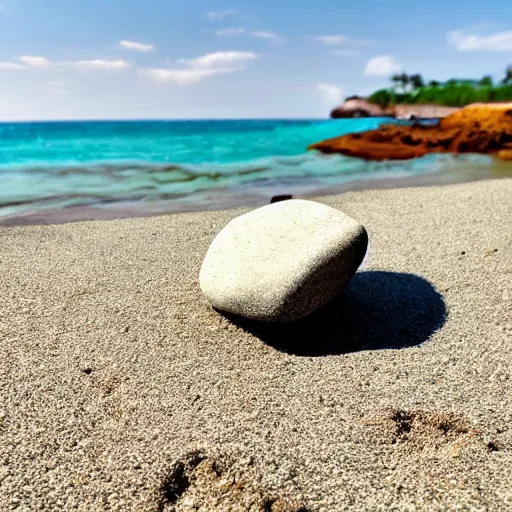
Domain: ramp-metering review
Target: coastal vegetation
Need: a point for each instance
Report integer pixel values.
(413, 89)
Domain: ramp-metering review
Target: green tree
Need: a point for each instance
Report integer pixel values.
(416, 81)
(486, 81)
(381, 97)
(434, 83)
(401, 79)
(508, 75)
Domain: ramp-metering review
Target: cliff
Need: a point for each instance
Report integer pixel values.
(478, 128)
(359, 107)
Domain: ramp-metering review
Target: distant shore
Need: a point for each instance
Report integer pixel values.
(363, 108)
(483, 128)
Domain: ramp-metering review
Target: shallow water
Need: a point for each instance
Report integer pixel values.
(184, 165)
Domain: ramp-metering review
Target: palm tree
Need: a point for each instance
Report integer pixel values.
(397, 80)
(508, 75)
(416, 81)
(401, 80)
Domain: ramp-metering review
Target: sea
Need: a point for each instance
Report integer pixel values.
(76, 170)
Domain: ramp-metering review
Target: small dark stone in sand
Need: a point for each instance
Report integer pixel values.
(284, 197)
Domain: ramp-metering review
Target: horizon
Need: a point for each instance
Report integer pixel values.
(205, 61)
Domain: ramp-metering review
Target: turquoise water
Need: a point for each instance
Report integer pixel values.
(177, 164)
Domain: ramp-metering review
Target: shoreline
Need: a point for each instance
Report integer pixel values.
(231, 199)
(117, 379)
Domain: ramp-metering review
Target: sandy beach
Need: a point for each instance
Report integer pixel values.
(121, 389)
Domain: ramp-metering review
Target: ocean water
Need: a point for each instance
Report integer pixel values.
(145, 166)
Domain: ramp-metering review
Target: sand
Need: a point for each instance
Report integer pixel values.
(121, 389)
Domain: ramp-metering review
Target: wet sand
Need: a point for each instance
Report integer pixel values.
(121, 389)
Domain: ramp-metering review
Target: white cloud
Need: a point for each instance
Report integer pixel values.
(330, 93)
(332, 40)
(11, 65)
(228, 32)
(183, 76)
(346, 53)
(382, 65)
(136, 47)
(220, 60)
(268, 36)
(464, 42)
(220, 15)
(240, 31)
(34, 62)
(201, 68)
(101, 64)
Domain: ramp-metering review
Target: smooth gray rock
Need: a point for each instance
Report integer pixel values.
(283, 261)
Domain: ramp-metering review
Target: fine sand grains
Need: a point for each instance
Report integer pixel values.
(121, 389)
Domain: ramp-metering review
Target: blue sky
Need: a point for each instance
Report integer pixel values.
(83, 59)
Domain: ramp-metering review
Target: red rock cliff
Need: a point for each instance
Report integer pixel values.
(478, 128)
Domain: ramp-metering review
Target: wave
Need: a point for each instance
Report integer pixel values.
(105, 183)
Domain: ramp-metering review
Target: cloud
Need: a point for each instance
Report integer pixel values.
(220, 15)
(220, 60)
(136, 47)
(332, 40)
(228, 32)
(11, 66)
(182, 76)
(101, 64)
(34, 62)
(330, 93)
(464, 42)
(201, 68)
(382, 65)
(240, 31)
(269, 36)
(346, 53)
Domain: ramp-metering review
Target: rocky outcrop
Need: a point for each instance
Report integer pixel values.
(423, 111)
(478, 128)
(359, 107)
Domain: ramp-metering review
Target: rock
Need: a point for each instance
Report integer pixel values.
(478, 128)
(422, 111)
(359, 107)
(282, 197)
(283, 261)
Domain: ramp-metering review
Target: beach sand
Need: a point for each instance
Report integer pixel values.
(121, 389)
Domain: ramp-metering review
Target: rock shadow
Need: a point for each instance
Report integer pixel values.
(378, 310)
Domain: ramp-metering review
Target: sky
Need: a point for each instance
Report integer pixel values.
(216, 59)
